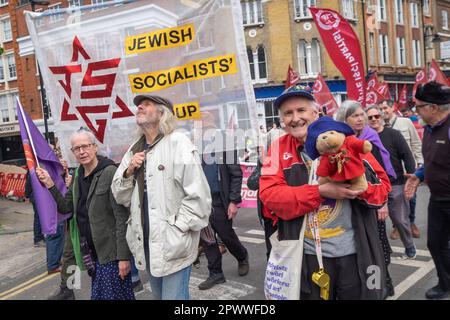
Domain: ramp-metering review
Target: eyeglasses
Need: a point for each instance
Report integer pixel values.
(420, 106)
(376, 116)
(78, 149)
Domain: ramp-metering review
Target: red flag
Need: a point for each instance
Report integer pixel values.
(343, 46)
(403, 98)
(373, 83)
(383, 90)
(435, 74)
(232, 121)
(421, 77)
(291, 78)
(323, 95)
(373, 97)
(396, 110)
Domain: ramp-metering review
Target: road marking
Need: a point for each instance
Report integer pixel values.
(424, 253)
(258, 232)
(15, 293)
(412, 279)
(252, 240)
(230, 290)
(409, 263)
(23, 284)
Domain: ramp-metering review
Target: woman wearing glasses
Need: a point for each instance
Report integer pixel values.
(98, 225)
(352, 113)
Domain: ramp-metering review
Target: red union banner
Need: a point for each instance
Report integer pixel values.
(403, 98)
(291, 78)
(435, 74)
(421, 77)
(344, 49)
(383, 91)
(323, 95)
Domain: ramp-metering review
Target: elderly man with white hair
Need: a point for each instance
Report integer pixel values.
(347, 228)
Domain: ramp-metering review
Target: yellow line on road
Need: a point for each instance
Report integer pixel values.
(26, 285)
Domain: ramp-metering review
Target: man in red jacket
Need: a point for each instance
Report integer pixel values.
(347, 223)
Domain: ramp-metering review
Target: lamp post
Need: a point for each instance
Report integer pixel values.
(35, 3)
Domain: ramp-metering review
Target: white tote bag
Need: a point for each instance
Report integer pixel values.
(283, 271)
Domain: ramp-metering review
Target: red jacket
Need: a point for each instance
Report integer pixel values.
(348, 155)
(284, 188)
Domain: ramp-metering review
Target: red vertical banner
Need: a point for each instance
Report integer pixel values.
(421, 77)
(344, 49)
(292, 77)
(383, 91)
(435, 74)
(403, 98)
(323, 95)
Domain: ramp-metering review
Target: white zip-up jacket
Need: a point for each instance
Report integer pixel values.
(179, 201)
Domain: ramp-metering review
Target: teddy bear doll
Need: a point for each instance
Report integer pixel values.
(340, 152)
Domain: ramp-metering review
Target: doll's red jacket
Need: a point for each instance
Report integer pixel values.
(348, 156)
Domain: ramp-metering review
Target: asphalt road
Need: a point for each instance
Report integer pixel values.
(23, 273)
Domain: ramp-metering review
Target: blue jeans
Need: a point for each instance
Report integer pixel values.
(134, 271)
(174, 286)
(54, 247)
(37, 231)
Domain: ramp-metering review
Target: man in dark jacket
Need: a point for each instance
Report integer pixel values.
(433, 107)
(401, 157)
(224, 175)
(347, 226)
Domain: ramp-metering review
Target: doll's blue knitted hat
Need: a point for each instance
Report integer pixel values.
(322, 125)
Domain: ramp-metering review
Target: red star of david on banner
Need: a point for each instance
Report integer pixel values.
(89, 80)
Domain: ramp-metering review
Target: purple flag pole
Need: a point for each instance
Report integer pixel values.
(37, 150)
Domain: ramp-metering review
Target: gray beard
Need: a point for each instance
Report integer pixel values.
(422, 122)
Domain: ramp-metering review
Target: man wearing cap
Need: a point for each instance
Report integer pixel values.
(161, 180)
(433, 107)
(347, 220)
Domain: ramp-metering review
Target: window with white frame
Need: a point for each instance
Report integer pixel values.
(399, 11)
(4, 108)
(252, 12)
(251, 62)
(55, 17)
(11, 66)
(416, 53)
(258, 63)
(2, 70)
(348, 9)
(371, 48)
(6, 29)
(401, 54)
(444, 20)
(309, 58)
(384, 49)
(262, 65)
(13, 96)
(207, 85)
(75, 3)
(414, 15)
(3, 2)
(382, 13)
(426, 7)
(301, 8)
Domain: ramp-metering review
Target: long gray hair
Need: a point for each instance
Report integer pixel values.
(167, 123)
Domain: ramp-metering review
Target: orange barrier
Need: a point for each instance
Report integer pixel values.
(14, 182)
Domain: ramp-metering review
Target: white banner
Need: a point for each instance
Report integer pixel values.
(95, 59)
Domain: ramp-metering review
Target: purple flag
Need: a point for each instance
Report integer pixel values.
(36, 148)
